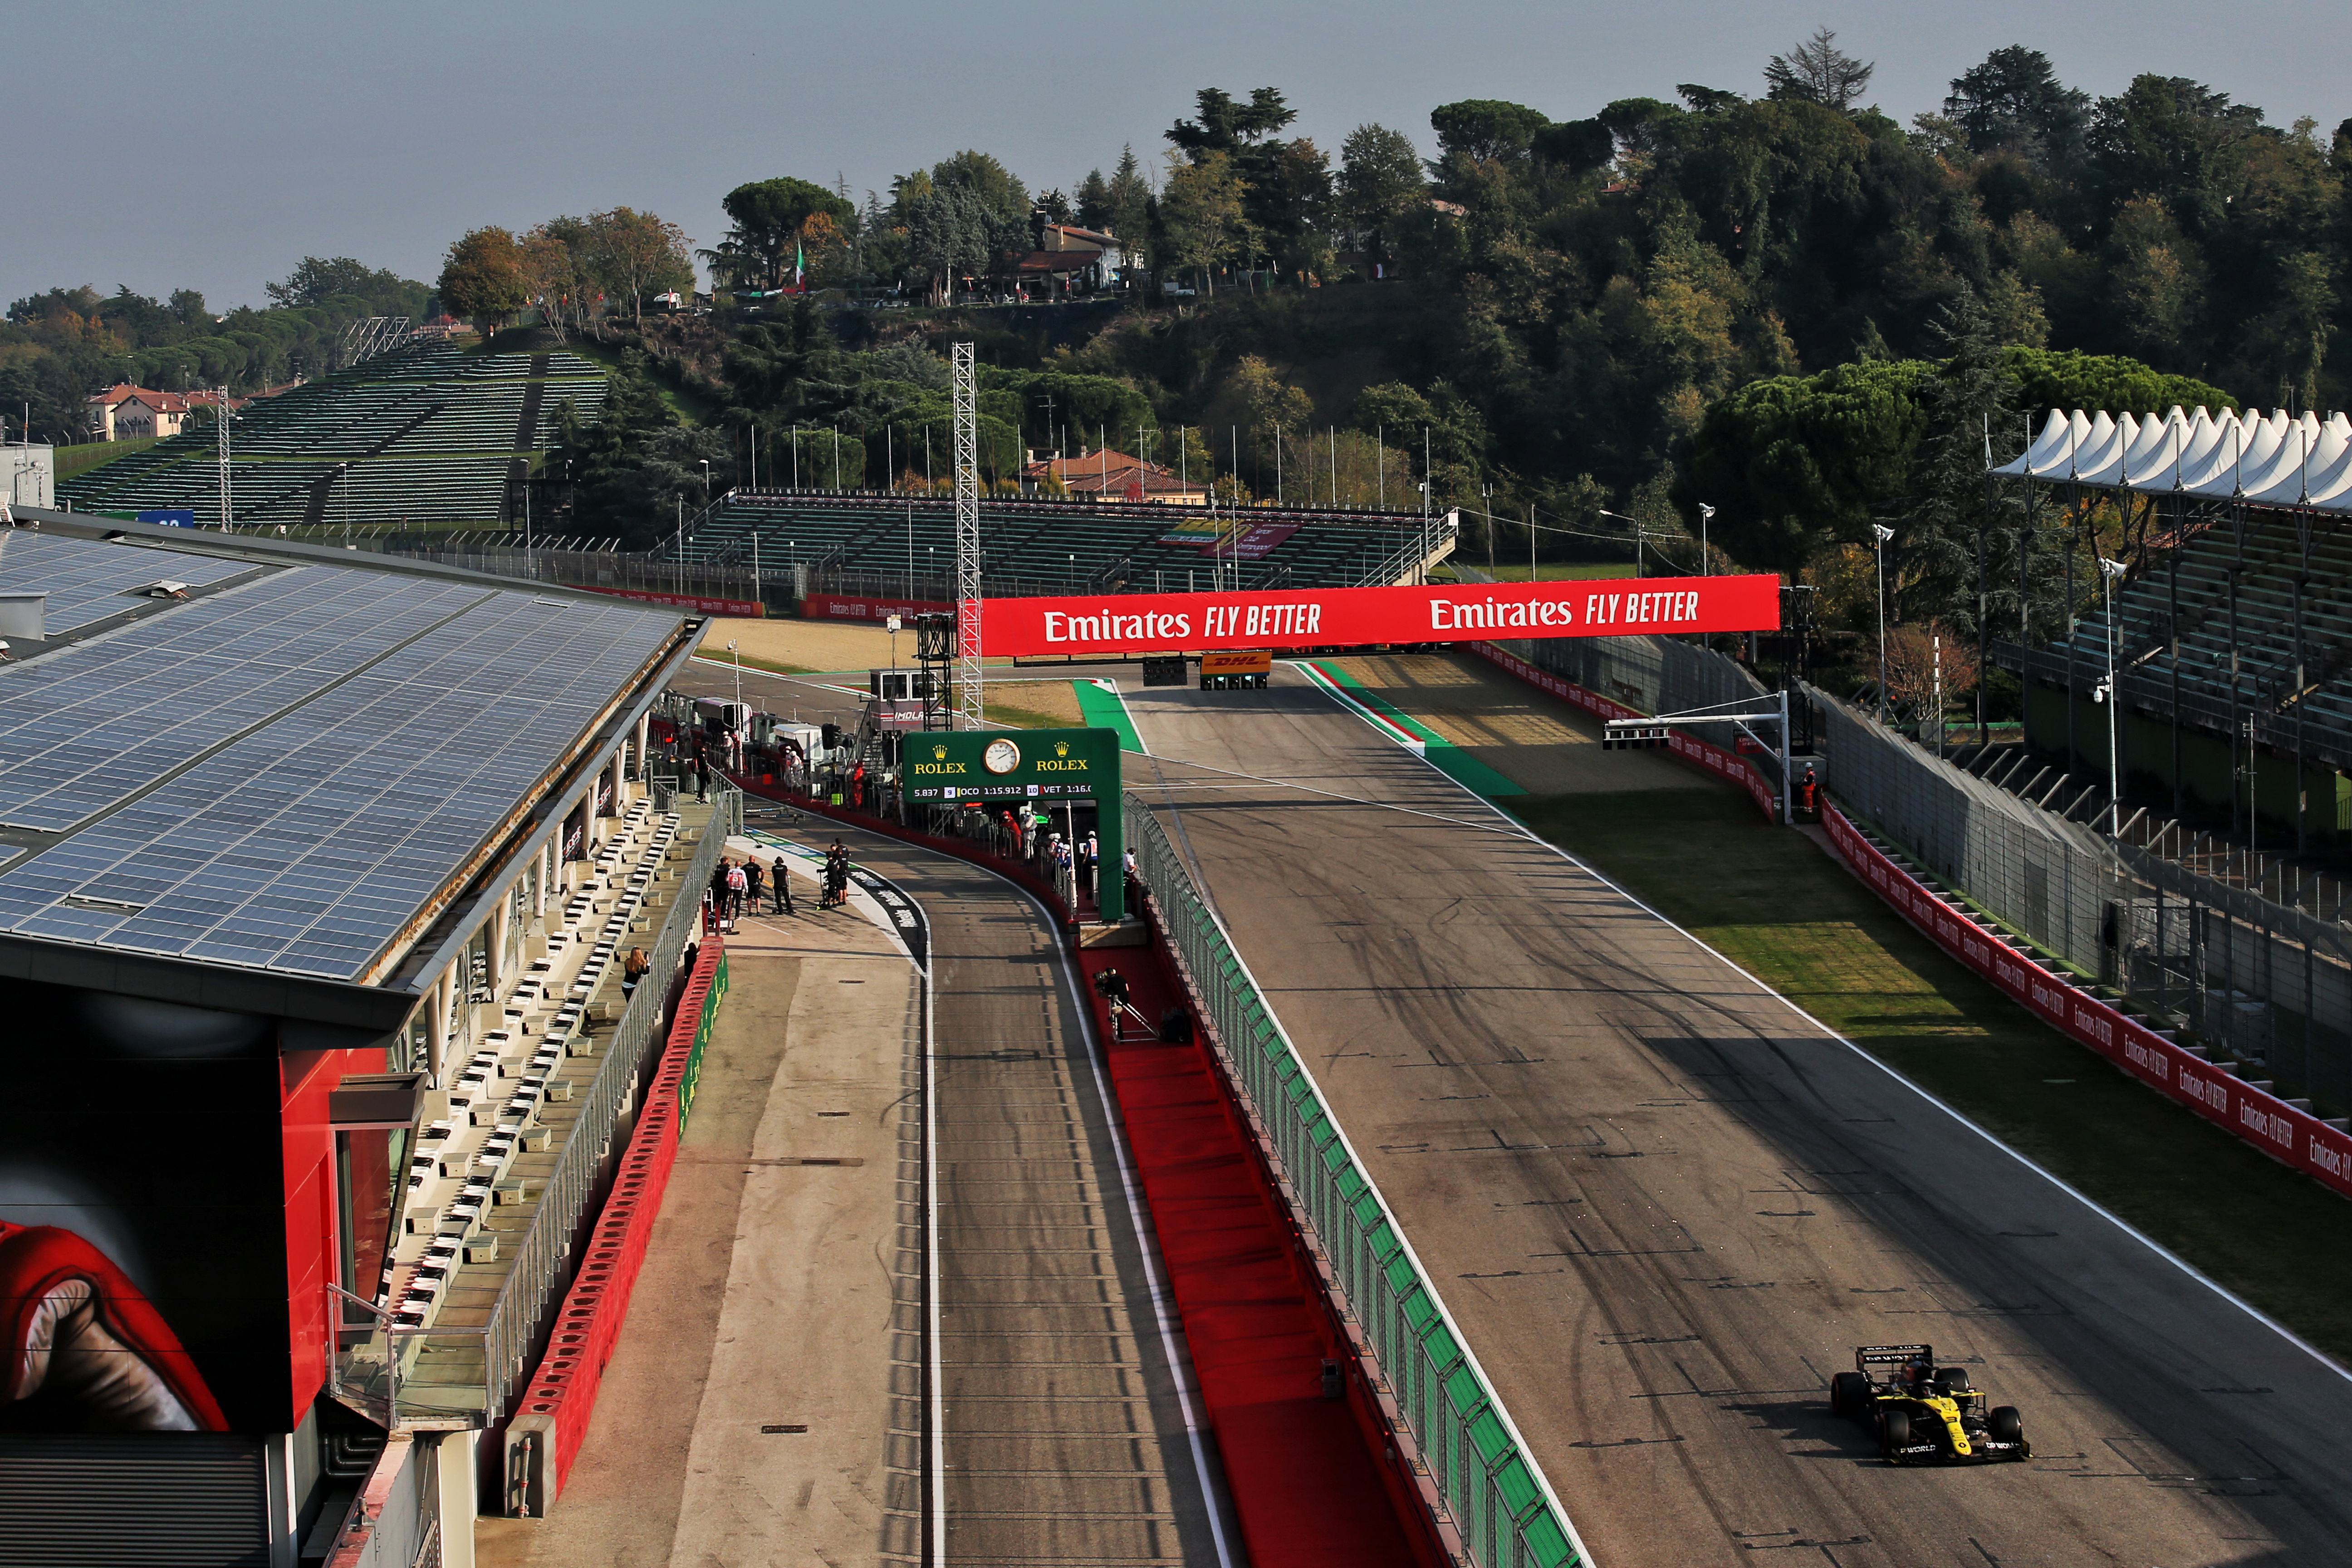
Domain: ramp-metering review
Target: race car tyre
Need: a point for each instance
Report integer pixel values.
(1893, 1429)
(2003, 1425)
(1849, 1396)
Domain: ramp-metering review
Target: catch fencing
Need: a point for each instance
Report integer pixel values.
(608, 570)
(1503, 1509)
(2261, 982)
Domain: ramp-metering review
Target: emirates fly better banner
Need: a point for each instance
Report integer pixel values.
(1346, 617)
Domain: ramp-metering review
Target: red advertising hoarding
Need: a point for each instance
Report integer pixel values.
(746, 609)
(2288, 1133)
(867, 607)
(1352, 617)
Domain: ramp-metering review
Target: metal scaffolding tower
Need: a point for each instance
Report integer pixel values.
(220, 442)
(967, 505)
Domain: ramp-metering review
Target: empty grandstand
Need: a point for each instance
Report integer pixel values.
(434, 434)
(877, 543)
(2230, 635)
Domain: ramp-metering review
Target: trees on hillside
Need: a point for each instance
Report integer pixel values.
(1795, 465)
(1203, 210)
(482, 279)
(639, 255)
(1817, 71)
(1380, 185)
(769, 216)
(316, 280)
(2014, 102)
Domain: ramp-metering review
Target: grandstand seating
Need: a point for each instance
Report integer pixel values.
(1035, 546)
(429, 432)
(2265, 640)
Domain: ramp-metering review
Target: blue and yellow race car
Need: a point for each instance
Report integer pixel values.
(1922, 1414)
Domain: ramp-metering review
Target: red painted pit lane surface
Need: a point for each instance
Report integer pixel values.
(1305, 1482)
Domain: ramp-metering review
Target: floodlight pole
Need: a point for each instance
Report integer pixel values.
(1879, 535)
(967, 527)
(2108, 572)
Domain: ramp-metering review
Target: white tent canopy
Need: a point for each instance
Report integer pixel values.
(2273, 459)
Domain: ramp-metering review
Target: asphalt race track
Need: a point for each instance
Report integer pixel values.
(1665, 1207)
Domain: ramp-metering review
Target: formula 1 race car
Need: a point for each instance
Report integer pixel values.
(1922, 1414)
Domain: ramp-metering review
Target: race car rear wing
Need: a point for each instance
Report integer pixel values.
(1867, 1357)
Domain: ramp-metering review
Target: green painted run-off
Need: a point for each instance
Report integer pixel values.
(1443, 754)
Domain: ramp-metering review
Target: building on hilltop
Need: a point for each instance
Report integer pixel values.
(1106, 475)
(1068, 259)
(127, 413)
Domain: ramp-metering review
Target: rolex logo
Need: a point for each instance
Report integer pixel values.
(938, 753)
(1061, 747)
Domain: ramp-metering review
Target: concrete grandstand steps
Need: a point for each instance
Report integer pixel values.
(505, 1115)
(427, 432)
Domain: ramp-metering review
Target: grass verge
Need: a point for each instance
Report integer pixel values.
(773, 666)
(1022, 717)
(1777, 905)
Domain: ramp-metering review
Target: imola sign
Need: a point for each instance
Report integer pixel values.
(1346, 617)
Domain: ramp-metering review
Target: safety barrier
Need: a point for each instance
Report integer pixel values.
(2284, 1132)
(1491, 1496)
(1724, 765)
(554, 1406)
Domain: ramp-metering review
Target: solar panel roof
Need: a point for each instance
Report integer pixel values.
(368, 731)
(84, 726)
(87, 579)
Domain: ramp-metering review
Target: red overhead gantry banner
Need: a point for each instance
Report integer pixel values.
(1349, 617)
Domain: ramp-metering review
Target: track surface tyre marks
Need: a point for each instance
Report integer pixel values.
(1666, 1208)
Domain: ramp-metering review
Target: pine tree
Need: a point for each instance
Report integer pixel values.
(1126, 198)
(1951, 519)
(1093, 200)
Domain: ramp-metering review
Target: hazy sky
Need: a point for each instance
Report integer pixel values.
(212, 146)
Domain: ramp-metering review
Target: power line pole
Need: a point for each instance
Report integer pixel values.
(967, 527)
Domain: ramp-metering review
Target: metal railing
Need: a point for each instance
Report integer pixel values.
(1498, 1502)
(2267, 985)
(598, 569)
(1426, 547)
(535, 1284)
(2205, 703)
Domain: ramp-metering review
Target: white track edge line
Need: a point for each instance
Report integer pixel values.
(2126, 1226)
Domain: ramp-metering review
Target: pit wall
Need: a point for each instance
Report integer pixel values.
(1490, 1503)
(2292, 1136)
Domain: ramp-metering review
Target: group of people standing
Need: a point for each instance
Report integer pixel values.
(738, 885)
